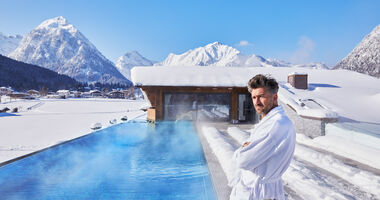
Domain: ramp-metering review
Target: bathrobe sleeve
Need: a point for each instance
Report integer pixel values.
(262, 146)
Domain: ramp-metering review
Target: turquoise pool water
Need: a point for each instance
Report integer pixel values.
(126, 161)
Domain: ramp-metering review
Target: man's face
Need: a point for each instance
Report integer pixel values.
(263, 100)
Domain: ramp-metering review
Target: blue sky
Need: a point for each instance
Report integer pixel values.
(297, 31)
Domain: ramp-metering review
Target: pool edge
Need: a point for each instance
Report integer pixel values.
(217, 174)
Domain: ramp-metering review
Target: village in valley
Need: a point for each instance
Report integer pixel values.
(86, 92)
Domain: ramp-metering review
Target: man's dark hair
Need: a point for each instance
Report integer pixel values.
(262, 81)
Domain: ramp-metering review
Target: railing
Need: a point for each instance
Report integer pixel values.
(361, 132)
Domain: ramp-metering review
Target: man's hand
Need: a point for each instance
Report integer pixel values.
(246, 144)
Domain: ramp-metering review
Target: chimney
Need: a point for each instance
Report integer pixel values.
(298, 80)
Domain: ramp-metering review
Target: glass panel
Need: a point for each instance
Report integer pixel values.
(246, 111)
(197, 106)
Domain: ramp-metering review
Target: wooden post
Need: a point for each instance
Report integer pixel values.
(234, 105)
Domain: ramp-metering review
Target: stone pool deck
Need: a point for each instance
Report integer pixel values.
(219, 179)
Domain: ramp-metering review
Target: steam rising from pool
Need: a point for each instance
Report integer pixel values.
(126, 161)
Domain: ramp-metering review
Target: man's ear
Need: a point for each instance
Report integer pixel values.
(275, 97)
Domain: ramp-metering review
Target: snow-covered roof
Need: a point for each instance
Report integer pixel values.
(6, 88)
(349, 94)
(297, 73)
(192, 76)
(92, 91)
(63, 91)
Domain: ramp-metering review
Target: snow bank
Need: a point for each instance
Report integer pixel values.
(345, 147)
(364, 134)
(365, 180)
(308, 185)
(237, 134)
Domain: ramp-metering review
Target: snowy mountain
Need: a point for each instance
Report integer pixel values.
(126, 62)
(313, 65)
(365, 57)
(218, 54)
(57, 45)
(214, 54)
(8, 43)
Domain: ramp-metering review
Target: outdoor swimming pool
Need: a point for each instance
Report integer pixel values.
(125, 161)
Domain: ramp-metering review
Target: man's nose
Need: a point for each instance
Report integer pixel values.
(256, 101)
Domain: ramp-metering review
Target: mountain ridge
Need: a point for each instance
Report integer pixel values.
(218, 54)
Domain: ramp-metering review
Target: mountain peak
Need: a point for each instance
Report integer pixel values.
(377, 29)
(130, 59)
(215, 44)
(132, 53)
(57, 22)
(60, 20)
(215, 53)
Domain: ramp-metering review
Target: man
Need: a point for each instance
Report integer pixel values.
(262, 160)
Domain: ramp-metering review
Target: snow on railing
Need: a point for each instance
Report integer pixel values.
(236, 133)
(305, 109)
(222, 148)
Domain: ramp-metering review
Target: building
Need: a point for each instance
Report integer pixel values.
(220, 94)
(18, 95)
(75, 94)
(116, 95)
(33, 93)
(63, 93)
(201, 99)
(5, 91)
(95, 93)
(200, 103)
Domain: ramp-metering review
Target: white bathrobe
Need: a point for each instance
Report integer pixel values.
(261, 164)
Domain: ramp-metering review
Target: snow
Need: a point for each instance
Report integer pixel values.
(310, 109)
(8, 43)
(348, 94)
(222, 148)
(55, 121)
(312, 174)
(355, 148)
(297, 73)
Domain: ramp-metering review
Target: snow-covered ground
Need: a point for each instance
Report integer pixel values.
(313, 174)
(46, 122)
